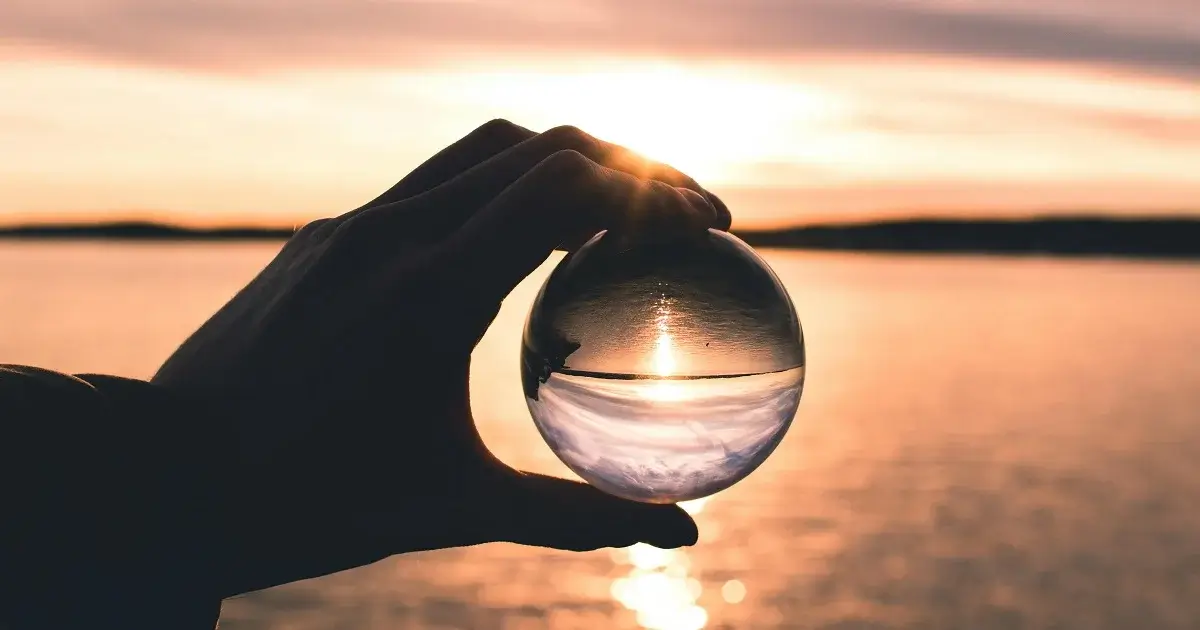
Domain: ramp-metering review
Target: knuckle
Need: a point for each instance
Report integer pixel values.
(497, 127)
(566, 164)
(315, 224)
(570, 137)
(312, 228)
(566, 177)
(358, 234)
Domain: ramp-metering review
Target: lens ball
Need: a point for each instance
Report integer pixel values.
(663, 370)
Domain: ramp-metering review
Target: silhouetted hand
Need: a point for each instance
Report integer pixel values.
(342, 368)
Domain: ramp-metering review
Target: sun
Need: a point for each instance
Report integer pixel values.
(664, 366)
(664, 355)
(708, 122)
(688, 120)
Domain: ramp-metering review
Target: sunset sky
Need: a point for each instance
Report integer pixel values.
(277, 111)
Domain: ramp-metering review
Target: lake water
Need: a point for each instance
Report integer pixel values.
(983, 443)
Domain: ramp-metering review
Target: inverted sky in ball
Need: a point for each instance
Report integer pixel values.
(663, 370)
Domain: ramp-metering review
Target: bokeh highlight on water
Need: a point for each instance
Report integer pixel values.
(984, 443)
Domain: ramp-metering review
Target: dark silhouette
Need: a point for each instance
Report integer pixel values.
(320, 420)
(1064, 236)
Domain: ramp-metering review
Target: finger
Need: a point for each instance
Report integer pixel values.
(486, 141)
(561, 514)
(458, 199)
(567, 198)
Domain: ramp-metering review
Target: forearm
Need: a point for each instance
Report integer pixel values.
(111, 504)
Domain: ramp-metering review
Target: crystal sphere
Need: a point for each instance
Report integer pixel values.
(663, 370)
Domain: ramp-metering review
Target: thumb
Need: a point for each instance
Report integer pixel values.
(562, 514)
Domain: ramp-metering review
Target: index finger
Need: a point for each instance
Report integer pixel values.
(487, 140)
(448, 207)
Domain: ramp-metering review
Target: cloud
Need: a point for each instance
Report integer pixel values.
(1181, 132)
(253, 35)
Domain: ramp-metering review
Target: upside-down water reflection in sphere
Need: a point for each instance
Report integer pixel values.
(663, 371)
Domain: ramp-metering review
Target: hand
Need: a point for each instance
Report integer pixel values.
(343, 366)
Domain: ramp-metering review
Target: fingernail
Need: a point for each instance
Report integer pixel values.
(699, 202)
(724, 218)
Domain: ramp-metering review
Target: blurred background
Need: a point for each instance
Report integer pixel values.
(985, 441)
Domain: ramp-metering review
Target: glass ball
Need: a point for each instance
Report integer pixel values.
(663, 370)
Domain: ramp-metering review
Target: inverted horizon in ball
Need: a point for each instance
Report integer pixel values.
(663, 371)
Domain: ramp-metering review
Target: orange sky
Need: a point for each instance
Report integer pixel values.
(799, 110)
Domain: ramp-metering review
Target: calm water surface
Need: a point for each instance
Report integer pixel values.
(983, 443)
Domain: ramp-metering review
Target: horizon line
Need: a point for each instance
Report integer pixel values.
(1032, 216)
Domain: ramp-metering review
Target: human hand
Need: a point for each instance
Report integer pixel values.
(343, 367)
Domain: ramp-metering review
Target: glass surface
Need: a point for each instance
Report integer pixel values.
(663, 371)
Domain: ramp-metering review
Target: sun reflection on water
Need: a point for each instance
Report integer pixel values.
(695, 506)
(733, 591)
(664, 350)
(663, 361)
(659, 588)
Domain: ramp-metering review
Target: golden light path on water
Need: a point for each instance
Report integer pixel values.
(659, 587)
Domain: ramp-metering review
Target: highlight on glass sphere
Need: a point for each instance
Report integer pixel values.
(666, 370)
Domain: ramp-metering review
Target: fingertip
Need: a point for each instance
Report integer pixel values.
(577, 516)
(702, 205)
(503, 130)
(678, 529)
(724, 217)
(663, 526)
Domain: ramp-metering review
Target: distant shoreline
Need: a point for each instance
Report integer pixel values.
(1166, 238)
(141, 231)
(1163, 238)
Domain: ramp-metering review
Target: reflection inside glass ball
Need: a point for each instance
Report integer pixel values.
(665, 371)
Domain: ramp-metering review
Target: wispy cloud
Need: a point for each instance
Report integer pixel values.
(251, 35)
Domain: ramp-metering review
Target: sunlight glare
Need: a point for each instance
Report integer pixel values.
(664, 350)
(708, 122)
(664, 355)
(663, 361)
(648, 557)
(695, 506)
(658, 588)
(665, 391)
